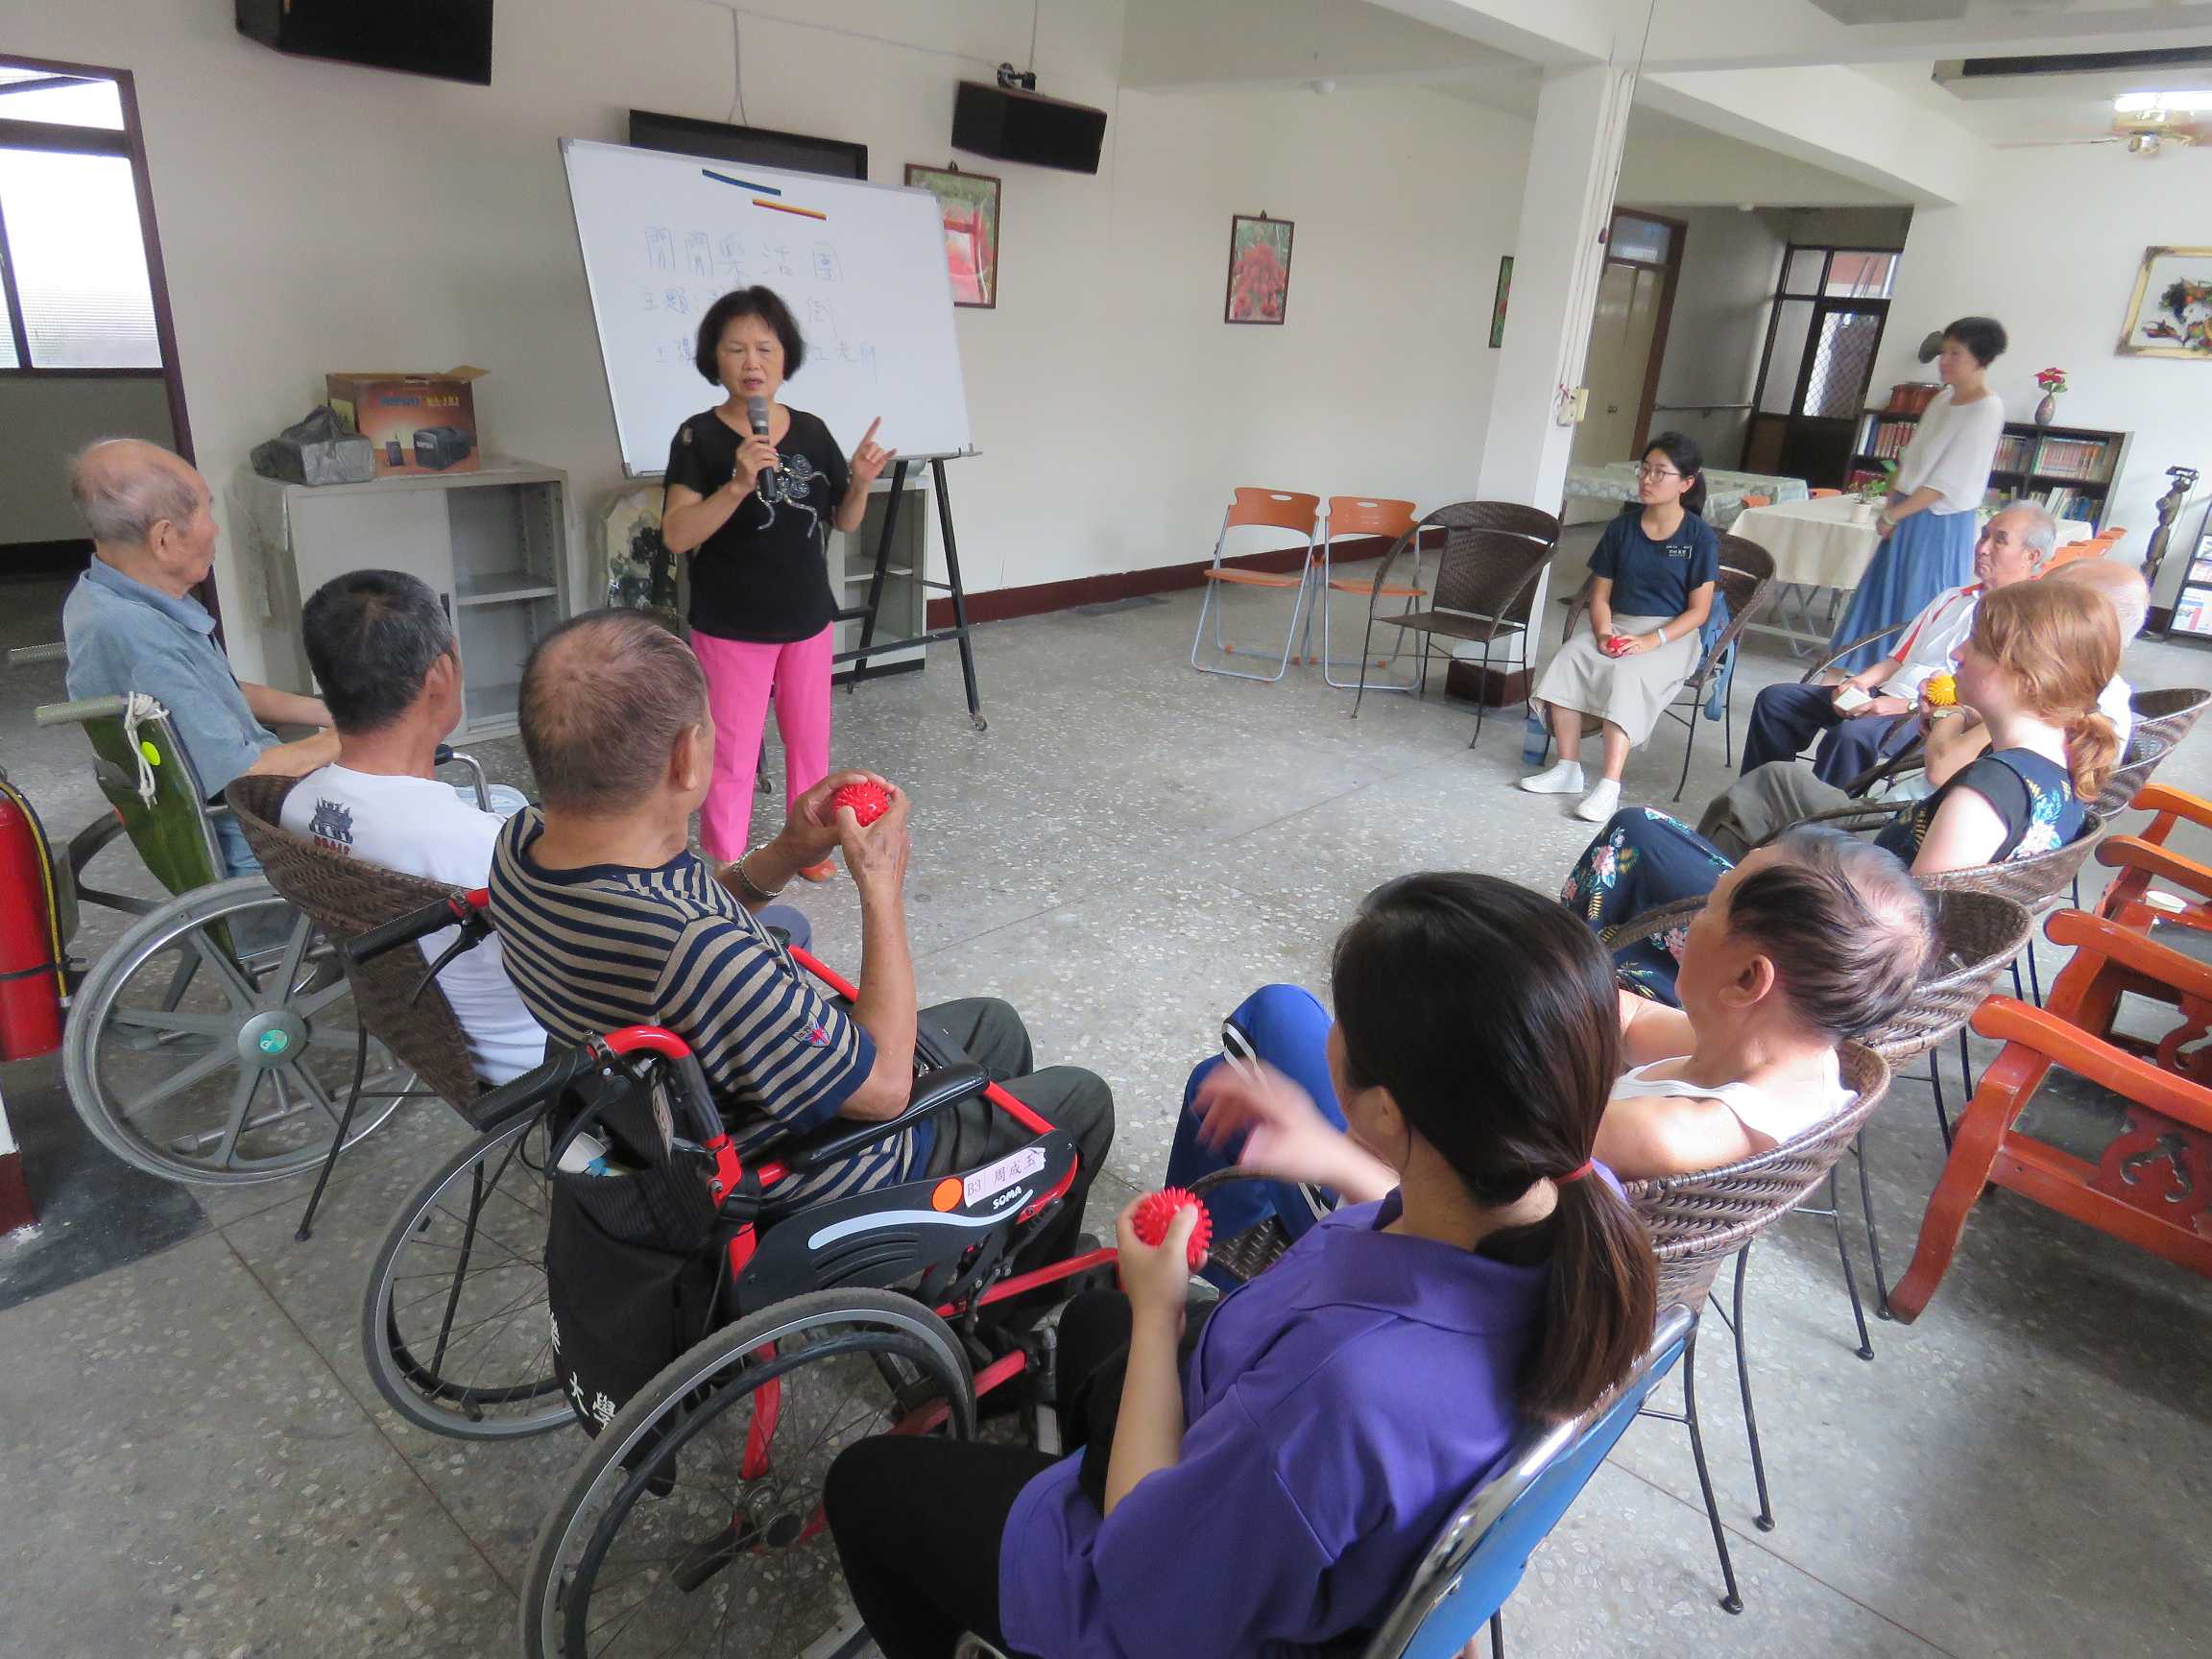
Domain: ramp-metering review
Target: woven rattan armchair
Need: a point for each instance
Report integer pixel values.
(347, 898)
(1746, 581)
(2169, 715)
(1487, 571)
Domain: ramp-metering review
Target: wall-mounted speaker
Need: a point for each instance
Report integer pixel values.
(1009, 125)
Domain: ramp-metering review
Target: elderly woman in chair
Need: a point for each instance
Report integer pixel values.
(1651, 583)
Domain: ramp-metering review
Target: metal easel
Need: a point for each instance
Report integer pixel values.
(865, 615)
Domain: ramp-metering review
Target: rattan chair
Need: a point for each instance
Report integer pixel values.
(2169, 715)
(1697, 1222)
(399, 1005)
(1746, 581)
(1491, 555)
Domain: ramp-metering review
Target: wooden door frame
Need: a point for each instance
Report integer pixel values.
(1820, 300)
(157, 273)
(1679, 235)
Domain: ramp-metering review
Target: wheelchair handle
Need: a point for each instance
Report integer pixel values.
(698, 1101)
(533, 1088)
(465, 913)
(84, 709)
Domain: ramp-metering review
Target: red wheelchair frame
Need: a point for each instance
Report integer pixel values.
(539, 1089)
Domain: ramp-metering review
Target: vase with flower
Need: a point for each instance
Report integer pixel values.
(2053, 381)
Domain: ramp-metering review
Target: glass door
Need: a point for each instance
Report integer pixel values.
(1821, 342)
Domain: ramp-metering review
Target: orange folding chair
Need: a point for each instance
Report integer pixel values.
(1362, 515)
(1260, 508)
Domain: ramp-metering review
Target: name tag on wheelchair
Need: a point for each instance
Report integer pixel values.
(930, 1230)
(995, 1182)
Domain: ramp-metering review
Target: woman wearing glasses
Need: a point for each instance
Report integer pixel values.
(1650, 591)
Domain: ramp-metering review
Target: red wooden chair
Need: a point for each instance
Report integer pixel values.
(2151, 1186)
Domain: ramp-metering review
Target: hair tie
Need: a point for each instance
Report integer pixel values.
(1577, 1173)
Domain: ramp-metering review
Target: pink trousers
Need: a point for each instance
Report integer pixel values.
(739, 676)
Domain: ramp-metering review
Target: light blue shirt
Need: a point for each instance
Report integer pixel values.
(123, 636)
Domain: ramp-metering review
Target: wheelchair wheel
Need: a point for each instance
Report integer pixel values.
(695, 1526)
(455, 1326)
(214, 1043)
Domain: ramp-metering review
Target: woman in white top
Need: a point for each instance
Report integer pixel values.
(1810, 939)
(1927, 528)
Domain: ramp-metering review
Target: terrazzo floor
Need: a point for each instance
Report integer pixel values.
(194, 1463)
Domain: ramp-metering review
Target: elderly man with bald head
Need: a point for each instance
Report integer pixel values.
(130, 624)
(609, 919)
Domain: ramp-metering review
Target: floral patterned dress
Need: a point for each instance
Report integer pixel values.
(1643, 859)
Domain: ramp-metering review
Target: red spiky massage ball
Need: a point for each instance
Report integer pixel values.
(1156, 1210)
(869, 802)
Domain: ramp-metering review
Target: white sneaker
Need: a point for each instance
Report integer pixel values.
(1563, 778)
(1601, 803)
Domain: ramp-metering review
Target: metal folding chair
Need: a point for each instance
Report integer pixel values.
(1363, 515)
(1255, 508)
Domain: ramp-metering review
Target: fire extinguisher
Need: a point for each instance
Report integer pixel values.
(30, 934)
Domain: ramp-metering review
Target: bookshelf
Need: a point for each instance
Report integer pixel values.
(2070, 469)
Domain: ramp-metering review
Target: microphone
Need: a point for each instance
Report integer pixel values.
(756, 412)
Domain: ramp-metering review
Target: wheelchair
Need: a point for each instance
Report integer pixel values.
(213, 1042)
(694, 1523)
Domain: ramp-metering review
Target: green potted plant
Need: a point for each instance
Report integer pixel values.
(1875, 490)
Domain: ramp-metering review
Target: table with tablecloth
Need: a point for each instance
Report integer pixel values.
(1826, 544)
(1596, 493)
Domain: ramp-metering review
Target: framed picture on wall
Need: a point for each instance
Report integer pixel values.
(970, 204)
(1497, 305)
(2170, 312)
(1258, 269)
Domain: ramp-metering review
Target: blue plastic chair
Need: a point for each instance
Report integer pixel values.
(1476, 1561)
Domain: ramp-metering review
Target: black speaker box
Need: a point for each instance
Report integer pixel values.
(1011, 126)
(449, 39)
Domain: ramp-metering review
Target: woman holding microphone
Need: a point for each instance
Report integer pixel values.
(753, 490)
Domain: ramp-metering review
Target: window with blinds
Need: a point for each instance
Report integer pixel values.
(72, 251)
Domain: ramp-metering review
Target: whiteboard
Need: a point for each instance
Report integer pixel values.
(662, 239)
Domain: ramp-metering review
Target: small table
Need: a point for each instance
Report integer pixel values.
(1605, 488)
(1828, 545)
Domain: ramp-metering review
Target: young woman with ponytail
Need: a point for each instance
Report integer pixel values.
(2017, 785)
(1264, 1479)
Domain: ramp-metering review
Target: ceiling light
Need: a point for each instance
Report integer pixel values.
(2162, 103)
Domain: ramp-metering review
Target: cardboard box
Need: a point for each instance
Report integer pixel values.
(414, 422)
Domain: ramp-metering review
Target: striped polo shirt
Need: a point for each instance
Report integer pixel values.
(596, 949)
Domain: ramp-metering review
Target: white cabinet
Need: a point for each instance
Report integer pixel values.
(493, 544)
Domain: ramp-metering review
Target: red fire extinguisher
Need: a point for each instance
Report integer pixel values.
(30, 934)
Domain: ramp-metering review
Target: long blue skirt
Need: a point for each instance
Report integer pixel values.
(1924, 554)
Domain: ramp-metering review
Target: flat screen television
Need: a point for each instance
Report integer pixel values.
(797, 152)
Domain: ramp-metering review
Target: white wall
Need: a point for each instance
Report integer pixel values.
(1719, 327)
(48, 419)
(318, 217)
(2059, 281)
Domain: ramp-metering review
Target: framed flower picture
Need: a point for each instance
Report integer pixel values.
(2170, 312)
(1258, 269)
(970, 204)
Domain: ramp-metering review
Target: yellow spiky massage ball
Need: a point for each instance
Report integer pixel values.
(1941, 691)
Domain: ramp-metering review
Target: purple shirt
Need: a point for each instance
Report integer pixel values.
(1338, 1407)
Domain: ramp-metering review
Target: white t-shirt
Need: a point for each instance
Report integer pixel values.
(1952, 451)
(419, 827)
(1763, 1111)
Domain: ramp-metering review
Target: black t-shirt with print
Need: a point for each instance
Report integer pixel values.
(763, 576)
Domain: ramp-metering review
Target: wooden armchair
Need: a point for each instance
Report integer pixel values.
(2151, 1186)
(2144, 859)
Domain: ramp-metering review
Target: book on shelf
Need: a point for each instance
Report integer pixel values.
(2013, 453)
(2081, 458)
